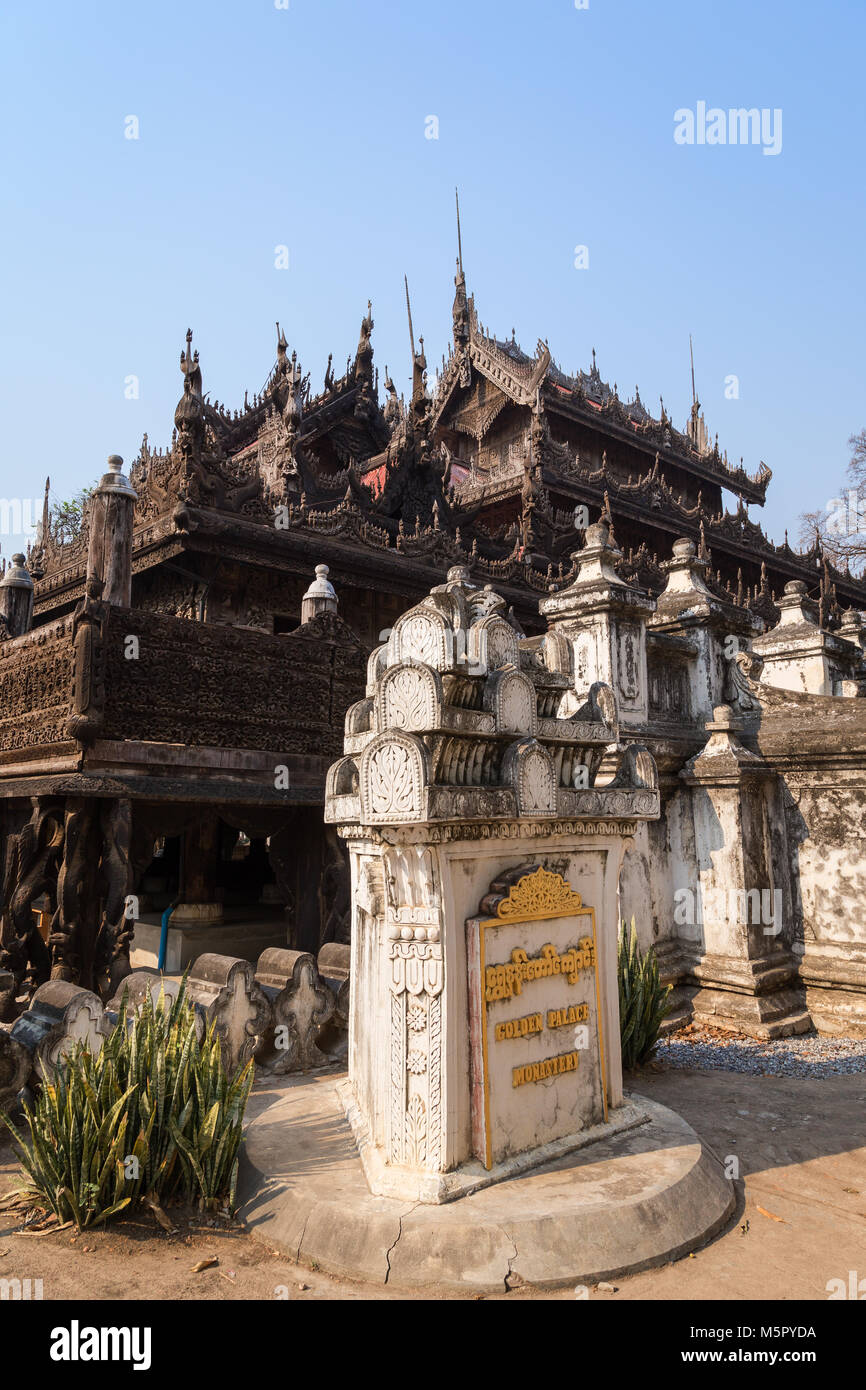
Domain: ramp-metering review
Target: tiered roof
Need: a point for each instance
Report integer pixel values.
(345, 467)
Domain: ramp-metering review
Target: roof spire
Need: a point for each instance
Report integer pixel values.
(419, 361)
(409, 313)
(462, 310)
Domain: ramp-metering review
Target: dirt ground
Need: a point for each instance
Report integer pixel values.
(800, 1219)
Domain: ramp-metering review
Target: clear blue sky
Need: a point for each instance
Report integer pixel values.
(306, 127)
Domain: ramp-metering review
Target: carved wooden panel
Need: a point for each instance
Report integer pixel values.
(36, 688)
(207, 685)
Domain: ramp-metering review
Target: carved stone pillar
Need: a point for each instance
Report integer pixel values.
(798, 654)
(739, 922)
(604, 621)
(456, 789)
(689, 618)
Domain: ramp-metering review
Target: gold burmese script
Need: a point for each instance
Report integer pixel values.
(504, 981)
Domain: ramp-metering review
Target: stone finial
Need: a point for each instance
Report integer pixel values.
(321, 597)
(458, 574)
(598, 556)
(852, 628)
(686, 570)
(796, 606)
(16, 597)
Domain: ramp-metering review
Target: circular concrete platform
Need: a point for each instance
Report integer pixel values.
(646, 1196)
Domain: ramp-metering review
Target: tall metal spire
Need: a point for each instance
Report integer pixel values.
(459, 238)
(409, 312)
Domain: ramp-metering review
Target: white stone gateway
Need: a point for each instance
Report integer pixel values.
(484, 1029)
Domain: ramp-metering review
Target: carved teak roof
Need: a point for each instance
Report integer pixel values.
(421, 480)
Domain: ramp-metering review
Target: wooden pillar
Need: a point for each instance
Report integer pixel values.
(320, 597)
(109, 555)
(16, 597)
(199, 897)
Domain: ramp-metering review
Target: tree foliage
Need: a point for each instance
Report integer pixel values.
(841, 523)
(66, 515)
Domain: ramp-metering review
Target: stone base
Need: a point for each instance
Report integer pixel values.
(186, 943)
(197, 914)
(761, 998)
(836, 989)
(758, 1016)
(837, 1012)
(408, 1185)
(646, 1196)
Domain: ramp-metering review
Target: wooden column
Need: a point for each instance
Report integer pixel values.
(199, 899)
(16, 597)
(109, 555)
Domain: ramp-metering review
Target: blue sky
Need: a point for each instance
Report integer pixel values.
(305, 127)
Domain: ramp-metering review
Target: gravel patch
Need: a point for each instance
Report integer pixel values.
(711, 1049)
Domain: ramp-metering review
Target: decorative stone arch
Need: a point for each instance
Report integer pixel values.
(494, 643)
(422, 635)
(342, 778)
(394, 778)
(342, 790)
(377, 663)
(358, 717)
(511, 697)
(530, 770)
(558, 654)
(409, 697)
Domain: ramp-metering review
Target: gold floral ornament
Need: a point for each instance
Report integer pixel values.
(537, 895)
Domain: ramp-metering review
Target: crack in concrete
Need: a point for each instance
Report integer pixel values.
(301, 1241)
(391, 1248)
(511, 1258)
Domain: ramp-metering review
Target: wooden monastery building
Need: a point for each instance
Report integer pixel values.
(174, 679)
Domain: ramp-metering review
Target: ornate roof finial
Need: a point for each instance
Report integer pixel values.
(189, 414)
(190, 367)
(282, 350)
(364, 355)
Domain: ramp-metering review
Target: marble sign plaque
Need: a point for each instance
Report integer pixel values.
(535, 1018)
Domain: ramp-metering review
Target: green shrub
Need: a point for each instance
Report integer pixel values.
(155, 1095)
(643, 999)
